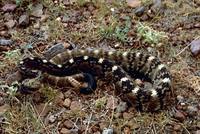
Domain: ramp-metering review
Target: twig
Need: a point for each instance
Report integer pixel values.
(88, 123)
(185, 47)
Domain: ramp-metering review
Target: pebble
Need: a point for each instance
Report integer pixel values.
(67, 103)
(67, 131)
(102, 125)
(59, 99)
(9, 7)
(177, 127)
(195, 47)
(157, 4)
(13, 77)
(52, 118)
(133, 3)
(44, 18)
(24, 20)
(64, 131)
(5, 42)
(42, 109)
(36, 25)
(121, 107)
(10, 24)
(179, 115)
(108, 131)
(192, 110)
(2, 102)
(4, 108)
(180, 98)
(68, 124)
(127, 115)
(197, 132)
(4, 34)
(111, 103)
(37, 10)
(127, 130)
(139, 11)
(75, 105)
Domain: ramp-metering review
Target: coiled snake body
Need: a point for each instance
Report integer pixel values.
(124, 66)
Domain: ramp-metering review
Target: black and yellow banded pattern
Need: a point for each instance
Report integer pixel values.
(124, 66)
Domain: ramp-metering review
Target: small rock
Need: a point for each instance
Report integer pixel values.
(108, 131)
(180, 99)
(8, 16)
(117, 45)
(118, 115)
(177, 127)
(36, 25)
(87, 14)
(197, 132)
(10, 24)
(66, 2)
(59, 99)
(133, 3)
(127, 130)
(103, 125)
(2, 102)
(44, 18)
(58, 19)
(139, 11)
(5, 42)
(156, 5)
(9, 7)
(133, 125)
(127, 115)
(121, 107)
(97, 132)
(192, 110)
(24, 20)
(13, 77)
(179, 116)
(4, 108)
(42, 109)
(67, 103)
(37, 10)
(75, 105)
(111, 103)
(195, 47)
(64, 131)
(66, 18)
(67, 131)
(68, 124)
(52, 118)
(4, 34)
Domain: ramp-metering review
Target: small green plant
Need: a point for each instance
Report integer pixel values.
(100, 103)
(49, 93)
(11, 57)
(150, 35)
(18, 2)
(10, 90)
(121, 32)
(82, 2)
(116, 31)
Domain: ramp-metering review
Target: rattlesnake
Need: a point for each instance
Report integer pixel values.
(124, 66)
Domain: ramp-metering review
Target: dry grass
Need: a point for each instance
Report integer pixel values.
(105, 26)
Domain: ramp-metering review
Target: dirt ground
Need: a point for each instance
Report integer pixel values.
(165, 28)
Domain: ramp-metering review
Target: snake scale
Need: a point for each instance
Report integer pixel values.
(124, 66)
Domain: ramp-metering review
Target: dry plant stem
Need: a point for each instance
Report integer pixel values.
(185, 47)
(39, 119)
(88, 123)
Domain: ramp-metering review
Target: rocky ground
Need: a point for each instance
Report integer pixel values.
(169, 29)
